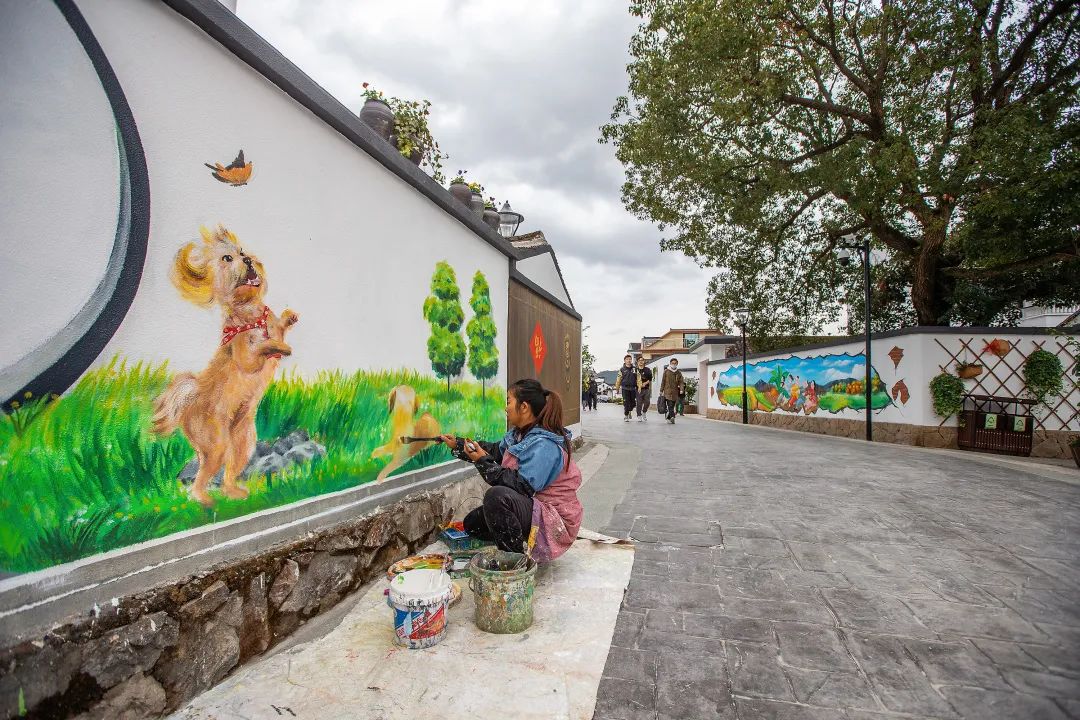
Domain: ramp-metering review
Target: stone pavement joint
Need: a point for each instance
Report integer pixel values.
(780, 575)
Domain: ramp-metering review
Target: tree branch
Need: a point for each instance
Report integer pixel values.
(1023, 49)
(828, 107)
(1063, 253)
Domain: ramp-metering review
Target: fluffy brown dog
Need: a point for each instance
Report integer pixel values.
(216, 408)
(403, 421)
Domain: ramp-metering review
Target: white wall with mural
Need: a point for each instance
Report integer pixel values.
(829, 381)
(292, 307)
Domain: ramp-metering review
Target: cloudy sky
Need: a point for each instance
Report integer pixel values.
(518, 92)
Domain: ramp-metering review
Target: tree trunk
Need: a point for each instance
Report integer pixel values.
(925, 287)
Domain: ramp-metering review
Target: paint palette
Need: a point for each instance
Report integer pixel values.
(460, 542)
(431, 561)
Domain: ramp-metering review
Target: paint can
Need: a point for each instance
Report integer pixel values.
(503, 584)
(419, 599)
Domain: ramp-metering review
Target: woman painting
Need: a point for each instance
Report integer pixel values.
(533, 496)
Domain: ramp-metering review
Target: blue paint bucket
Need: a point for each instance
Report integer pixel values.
(419, 599)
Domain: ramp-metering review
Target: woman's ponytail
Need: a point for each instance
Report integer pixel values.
(546, 405)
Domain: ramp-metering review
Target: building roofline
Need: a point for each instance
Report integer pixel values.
(214, 19)
(538, 249)
(920, 330)
(516, 276)
(714, 340)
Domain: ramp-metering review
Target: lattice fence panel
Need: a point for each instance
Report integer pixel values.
(1002, 374)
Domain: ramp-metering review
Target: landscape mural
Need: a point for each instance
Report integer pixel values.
(829, 383)
(136, 451)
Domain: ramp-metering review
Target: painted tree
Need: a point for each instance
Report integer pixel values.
(442, 309)
(483, 355)
(758, 134)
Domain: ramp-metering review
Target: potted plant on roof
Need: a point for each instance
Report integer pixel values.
(491, 214)
(476, 198)
(459, 188)
(413, 137)
(376, 112)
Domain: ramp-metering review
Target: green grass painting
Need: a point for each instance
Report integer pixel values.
(83, 474)
(832, 402)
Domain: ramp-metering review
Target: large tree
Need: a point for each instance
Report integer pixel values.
(757, 134)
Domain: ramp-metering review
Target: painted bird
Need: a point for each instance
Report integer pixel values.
(237, 173)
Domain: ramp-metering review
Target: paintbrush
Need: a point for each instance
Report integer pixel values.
(406, 439)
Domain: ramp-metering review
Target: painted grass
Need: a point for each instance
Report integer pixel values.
(829, 402)
(83, 474)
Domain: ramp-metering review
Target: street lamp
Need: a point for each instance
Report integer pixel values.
(741, 316)
(509, 221)
(843, 255)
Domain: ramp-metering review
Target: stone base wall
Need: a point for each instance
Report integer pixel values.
(1045, 443)
(148, 654)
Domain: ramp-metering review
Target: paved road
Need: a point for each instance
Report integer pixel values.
(786, 575)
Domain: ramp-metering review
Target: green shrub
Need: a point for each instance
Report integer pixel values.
(1043, 375)
(947, 392)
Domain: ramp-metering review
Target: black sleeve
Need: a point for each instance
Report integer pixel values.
(491, 449)
(495, 474)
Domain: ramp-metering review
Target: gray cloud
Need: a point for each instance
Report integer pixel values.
(518, 93)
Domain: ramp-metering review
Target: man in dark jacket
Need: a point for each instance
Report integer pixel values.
(592, 392)
(627, 381)
(644, 393)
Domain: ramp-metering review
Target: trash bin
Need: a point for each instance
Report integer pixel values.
(992, 424)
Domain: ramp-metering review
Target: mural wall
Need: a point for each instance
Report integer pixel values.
(828, 382)
(822, 383)
(294, 311)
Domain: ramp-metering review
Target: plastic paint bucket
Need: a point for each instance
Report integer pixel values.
(503, 584)
(419, 599)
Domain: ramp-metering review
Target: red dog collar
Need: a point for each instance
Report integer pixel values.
(230, 331)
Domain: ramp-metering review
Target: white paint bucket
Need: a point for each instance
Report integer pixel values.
(419, 599)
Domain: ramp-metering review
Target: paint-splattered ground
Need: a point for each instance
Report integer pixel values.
(550, 671)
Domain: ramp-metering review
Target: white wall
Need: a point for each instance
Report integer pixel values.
(541, 270)
(60, 188)
(346, 243)
(925, 354)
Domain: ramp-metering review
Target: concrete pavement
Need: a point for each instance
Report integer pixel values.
(788, 575)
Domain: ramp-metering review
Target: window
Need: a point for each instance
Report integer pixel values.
(689, 339)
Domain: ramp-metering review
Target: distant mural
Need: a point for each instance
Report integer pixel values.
(802, 385)
(135, 451)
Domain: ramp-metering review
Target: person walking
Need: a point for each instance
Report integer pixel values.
(627, 382)
(644, 393)
(592, 392)
(671, 387)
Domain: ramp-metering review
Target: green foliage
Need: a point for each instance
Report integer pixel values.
(757, 134)
(414, 134)
(88, 476)
(412, 131)
(691, 385)
(483, 355)
(947, 392)
(442, 309)
(1043, 375)
(588, 361)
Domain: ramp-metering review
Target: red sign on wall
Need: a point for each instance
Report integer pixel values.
(538, 348)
